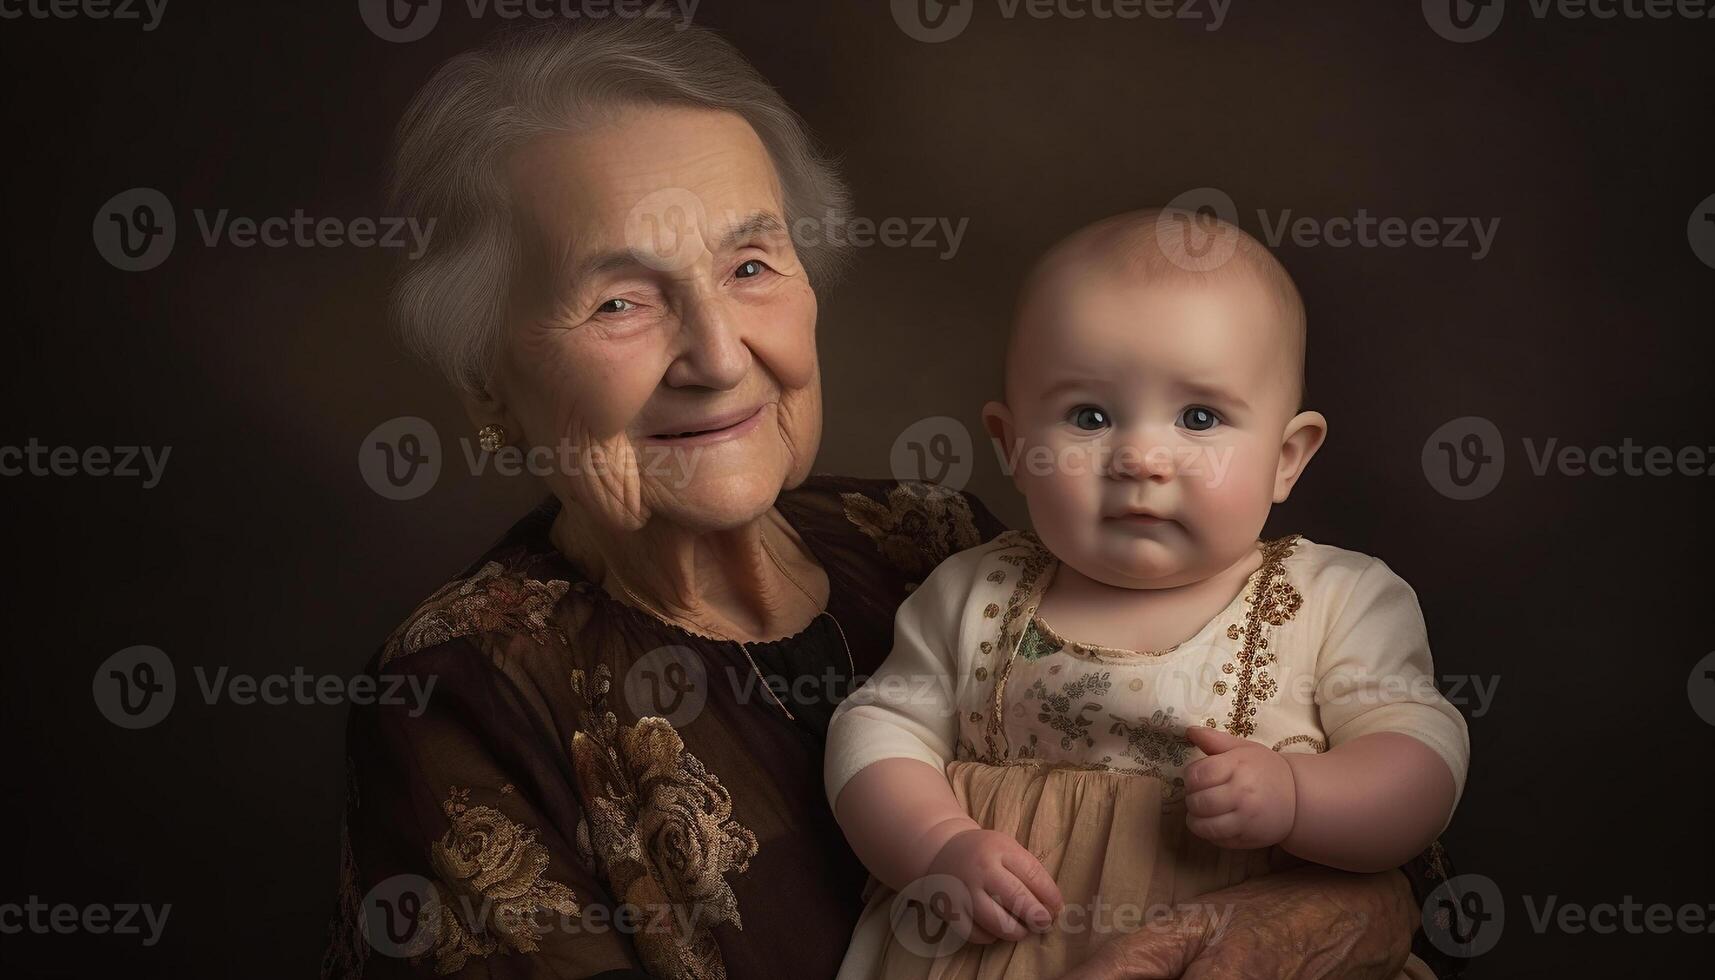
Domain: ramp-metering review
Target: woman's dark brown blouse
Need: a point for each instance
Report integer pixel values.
(590, 790)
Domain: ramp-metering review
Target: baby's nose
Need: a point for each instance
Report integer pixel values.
(1142, 460)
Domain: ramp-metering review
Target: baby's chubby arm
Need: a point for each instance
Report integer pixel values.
(888, 749)
(904, 823)
(1398, 751)
(1366, 805)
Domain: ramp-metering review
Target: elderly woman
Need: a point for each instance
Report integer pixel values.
(619, 771)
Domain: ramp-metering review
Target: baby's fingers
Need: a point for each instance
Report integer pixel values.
(1216, 829)
(989, 915)
(1036, 878)
(1211, 771)
(1212, 802)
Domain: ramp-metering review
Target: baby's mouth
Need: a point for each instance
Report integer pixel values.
(1138, 519)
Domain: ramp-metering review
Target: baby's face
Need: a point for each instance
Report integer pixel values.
(1150, 417)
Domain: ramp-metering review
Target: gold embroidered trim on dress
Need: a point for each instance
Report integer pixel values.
(1032, 560)
(1095, 651)
(1310, 740)
(1273, 602)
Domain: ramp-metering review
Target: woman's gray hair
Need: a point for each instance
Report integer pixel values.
(452, 144)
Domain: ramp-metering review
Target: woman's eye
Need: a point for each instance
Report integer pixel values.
(1089, 418)
(749, 270)
(1199, 419)
(615, 306)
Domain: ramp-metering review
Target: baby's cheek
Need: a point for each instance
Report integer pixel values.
(1063, 493)
(1230, 493)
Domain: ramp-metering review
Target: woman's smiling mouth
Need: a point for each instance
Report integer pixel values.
(714, 428)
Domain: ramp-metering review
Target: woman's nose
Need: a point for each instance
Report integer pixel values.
(712, 350)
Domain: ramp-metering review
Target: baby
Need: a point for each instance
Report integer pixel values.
(1139, 701)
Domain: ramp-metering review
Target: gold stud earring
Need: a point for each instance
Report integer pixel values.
(491, 437)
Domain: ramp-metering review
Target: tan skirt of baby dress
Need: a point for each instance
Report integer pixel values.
(1118, 850)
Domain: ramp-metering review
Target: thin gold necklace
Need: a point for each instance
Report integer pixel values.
(763, 681)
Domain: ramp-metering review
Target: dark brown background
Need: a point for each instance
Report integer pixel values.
(263, 369)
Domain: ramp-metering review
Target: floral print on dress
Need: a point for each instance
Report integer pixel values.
(918, 527)
(494, 600)
(660, 827)
(1158, 740)
(490, 886)
(1037, 644)
(1057, 710)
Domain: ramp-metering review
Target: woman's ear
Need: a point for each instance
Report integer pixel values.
(1304, 435)
(483, 407)
(997, 420)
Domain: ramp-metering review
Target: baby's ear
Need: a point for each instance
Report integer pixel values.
(1304, 435)
(997, 420)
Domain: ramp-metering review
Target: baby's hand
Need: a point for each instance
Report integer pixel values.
(1010, 893)
(1242, 795)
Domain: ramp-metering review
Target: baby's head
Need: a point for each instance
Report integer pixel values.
(1153, 383)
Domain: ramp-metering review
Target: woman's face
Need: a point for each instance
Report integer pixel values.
(661, 340)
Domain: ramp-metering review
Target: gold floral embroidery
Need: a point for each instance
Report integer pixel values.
(1273, 602)
(490, 885)
(661, 828)
(919, 527)
(492, 600)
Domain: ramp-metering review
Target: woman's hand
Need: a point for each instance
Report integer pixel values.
(1296, 925)
(1008, 892)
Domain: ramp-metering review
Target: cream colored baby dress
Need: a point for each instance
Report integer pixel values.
(1079, 751)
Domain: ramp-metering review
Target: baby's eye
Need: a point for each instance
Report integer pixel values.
(1089, 418)
(615, 306)
(1199, 419)
(749, 270)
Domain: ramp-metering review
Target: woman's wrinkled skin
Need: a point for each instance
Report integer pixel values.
(1306, 924)
(664, 296)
